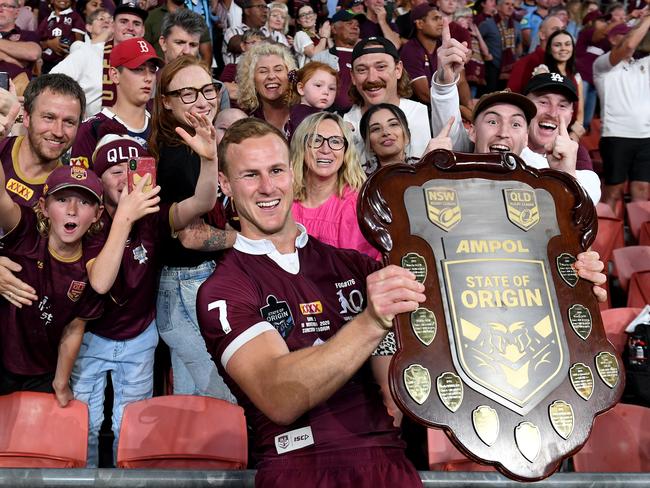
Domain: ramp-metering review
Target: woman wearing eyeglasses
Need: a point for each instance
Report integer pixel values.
(327, 179)
(185, 87)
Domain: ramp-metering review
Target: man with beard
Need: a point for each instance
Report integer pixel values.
(133, 72)
(547, 142)
(89, 65)
(378, 76)
(54, 105)
(345, 34)
(153, 29)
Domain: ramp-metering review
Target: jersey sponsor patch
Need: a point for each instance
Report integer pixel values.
(293, 440)
(312, 308)
(76, 289)
(80, 161)
(140, 254)
(278, 314)
(19, 189)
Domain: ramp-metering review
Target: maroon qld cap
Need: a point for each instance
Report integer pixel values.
(73, 177)
(133, 53)
(114, 149)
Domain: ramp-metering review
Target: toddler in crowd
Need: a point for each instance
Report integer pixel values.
(316, 84)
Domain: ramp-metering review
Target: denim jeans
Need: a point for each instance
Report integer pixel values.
(590, 95)
(130, 363)
(194, 370)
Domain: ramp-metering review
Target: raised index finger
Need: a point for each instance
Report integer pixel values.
(563, 130)
(447, 128)
(446, 35)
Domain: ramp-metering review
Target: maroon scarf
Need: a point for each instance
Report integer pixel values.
(507, 30)
(108, 88)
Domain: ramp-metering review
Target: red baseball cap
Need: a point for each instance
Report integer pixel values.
(133, 53)
(73, 177)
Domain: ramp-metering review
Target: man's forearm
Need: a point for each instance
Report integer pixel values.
(21, 51)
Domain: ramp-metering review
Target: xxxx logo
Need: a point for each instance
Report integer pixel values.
(313, 308)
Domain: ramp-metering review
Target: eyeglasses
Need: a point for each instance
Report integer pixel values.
(7, 6)
(335, 143)
(261, 6)
(306, 14)
(190, 94)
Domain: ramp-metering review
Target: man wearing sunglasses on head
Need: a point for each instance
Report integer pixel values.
(133, 71)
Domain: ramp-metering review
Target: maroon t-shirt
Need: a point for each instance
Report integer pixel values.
(18, 35)
(417, 61)
(342, 102)
(522, 70)
(22, 190)
(368, 28)
(65, 25)
(229, 73)
(31, 335)
(132, 299)
(250, 294)
(587, 51)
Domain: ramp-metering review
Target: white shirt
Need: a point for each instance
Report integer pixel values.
(418, 120)
(84, 65)
(445, 104)
(289, 262)
(624, 92)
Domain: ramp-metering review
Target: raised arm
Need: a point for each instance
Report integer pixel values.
(625, 49)
(203, 143)
(284, 385)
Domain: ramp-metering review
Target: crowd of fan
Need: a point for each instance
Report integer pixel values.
(351, 87)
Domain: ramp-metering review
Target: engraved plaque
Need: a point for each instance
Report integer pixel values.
(582, 380)
(565, 267)
(607, 367)
(528, 440)
(562, 418)
(418, 382)
(486, 424)
(515, 330)
(580, 320)
(450, 390)
(416, 264)
(423, 323)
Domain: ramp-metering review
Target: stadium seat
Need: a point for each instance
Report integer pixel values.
(638, 293)
(629, 260)
(183, 432)
(615, 320)
(35, 432)
(644, 234)
(610, 234)
(443, 455)
(637, 214)
(619, 442)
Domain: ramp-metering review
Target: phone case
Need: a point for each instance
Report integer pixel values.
(139, 168)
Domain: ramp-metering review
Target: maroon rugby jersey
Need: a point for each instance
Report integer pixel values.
(131, 305)
(65, 25)
(31, 335)
(24, 191)
(94, 128)
(248, 292)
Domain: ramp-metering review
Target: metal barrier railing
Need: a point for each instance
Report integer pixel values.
(145, 478)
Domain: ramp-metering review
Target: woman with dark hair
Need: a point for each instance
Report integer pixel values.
(185, 87)
(560, 57)
(386, 134)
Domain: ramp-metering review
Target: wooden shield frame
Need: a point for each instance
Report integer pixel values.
(508, 353)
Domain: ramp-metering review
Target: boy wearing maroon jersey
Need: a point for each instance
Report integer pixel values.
(40, 342)
(124, 339)
(291, 323)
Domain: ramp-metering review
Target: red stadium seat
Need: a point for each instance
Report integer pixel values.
(443, 455)
(36, 433)
(644, 234)
(183, 432)
(638, 293)
(637, 214)
(615, 320)
(619, 442)
(629, 260)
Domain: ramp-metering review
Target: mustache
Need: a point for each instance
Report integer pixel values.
(370, 85)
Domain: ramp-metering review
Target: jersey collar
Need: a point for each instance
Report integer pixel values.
(260, 247)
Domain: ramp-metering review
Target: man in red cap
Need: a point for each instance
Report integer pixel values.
(133, 71)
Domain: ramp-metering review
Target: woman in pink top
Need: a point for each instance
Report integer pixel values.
(327, 180)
